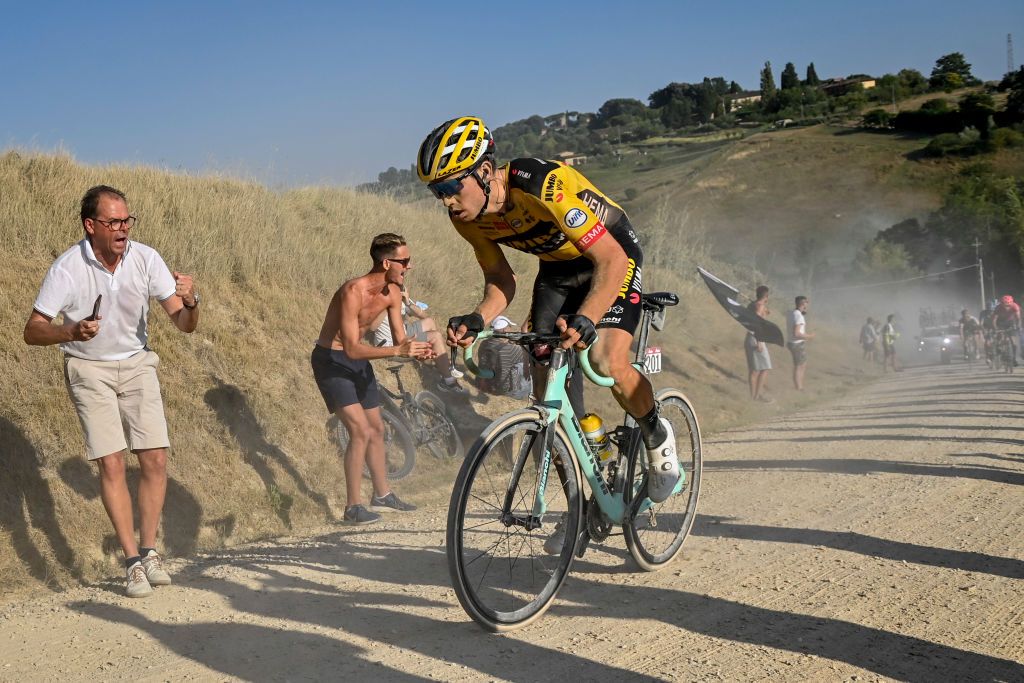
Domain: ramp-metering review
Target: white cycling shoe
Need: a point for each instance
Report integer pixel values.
(663, 466)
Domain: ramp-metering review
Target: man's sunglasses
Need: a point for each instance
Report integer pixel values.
(443, 189)
(403, 261)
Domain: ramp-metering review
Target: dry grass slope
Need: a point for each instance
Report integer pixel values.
(251, 458)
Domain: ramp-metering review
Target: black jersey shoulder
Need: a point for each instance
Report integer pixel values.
(528, 174)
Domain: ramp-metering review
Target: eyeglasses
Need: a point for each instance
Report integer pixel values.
(403, 261)
(448, 188)
(116, 224)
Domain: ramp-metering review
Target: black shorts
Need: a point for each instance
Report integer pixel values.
(561, 287)
(343, 381)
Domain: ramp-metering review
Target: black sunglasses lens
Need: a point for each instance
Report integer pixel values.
(446, 188)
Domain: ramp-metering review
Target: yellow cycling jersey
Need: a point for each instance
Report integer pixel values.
(552, 211)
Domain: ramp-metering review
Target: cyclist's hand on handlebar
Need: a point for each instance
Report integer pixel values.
(415, 349)
(462, 329)
(576, 330)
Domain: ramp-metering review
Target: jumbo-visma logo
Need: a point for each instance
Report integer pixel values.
(575, 218)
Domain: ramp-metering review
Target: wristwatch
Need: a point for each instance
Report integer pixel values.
(195, 303)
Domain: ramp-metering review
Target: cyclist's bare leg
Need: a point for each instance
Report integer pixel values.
(365, 446)
(610, 357)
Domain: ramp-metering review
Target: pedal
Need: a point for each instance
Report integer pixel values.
(582, 543)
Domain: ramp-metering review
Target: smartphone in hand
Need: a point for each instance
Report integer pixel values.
(96, 308)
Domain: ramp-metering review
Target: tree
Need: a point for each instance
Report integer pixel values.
(812, 79)
(769, 101)
(881, 259)
(1015, 98)
(951, 71)
(789, 78)
(977, 109)
(619, 112)
(677, 114)
(913, 81)
(768, 88)
(734, 87)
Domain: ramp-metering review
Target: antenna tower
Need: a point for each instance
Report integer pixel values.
(1010, 67)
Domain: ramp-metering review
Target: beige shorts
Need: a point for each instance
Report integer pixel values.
(115, 397)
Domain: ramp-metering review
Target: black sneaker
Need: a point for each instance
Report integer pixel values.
(357, 514)
(390, 503)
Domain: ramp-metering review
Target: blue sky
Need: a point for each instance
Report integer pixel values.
(295, 93)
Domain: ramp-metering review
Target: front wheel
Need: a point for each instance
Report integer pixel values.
(399, 447)
(439, 434)
(513, 521)
(656, 533)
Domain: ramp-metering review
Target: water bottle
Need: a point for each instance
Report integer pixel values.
(593, 429)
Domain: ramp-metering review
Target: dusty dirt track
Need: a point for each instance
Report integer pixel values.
(879, 537)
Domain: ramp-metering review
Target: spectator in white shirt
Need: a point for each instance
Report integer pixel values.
(796, 329)
(102, 287)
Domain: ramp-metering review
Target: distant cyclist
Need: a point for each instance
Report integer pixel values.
(590, 263)
(988, 332)
(970, 334)
(1007, 318)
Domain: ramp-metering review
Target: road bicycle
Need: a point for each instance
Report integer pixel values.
(519, 513)
(1004, 352)
(410, 422)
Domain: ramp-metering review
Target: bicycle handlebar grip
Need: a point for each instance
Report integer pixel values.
(467, 356)
(591, 373)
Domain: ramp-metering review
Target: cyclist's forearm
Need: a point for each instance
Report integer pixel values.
(499, 291)
(608, 278)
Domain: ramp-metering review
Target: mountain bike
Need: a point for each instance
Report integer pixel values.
(410, 422)
(518, 515)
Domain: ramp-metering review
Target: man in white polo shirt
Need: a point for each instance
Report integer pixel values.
(102, 287)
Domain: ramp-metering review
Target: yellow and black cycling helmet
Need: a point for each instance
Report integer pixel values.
(455, 147)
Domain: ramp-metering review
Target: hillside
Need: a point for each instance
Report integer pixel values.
(251, 457)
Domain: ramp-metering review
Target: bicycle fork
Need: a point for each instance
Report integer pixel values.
(540, 450)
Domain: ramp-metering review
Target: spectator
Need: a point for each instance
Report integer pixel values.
(869, 340)
(102, 286)
(758, 360)
(345, 377)
(796, 327)
(889, 336)
(421, 327)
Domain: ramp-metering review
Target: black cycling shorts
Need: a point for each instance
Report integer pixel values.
(342, 380)
(561, 287)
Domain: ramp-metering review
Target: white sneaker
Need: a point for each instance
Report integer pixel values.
(663, 467)
(556, 541)
(458, 374)
(155, 571)
(136, 584)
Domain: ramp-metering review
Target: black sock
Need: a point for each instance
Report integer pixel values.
(653, 431)
(129, 561)
(145, 551)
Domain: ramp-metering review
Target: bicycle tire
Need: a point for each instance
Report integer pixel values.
(497, 585)
(655, 534)
(443, 441)
(399, 446)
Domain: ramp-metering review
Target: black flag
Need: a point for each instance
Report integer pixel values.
(765, 330)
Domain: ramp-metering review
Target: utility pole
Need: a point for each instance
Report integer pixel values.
(895, 109)
(981, 272)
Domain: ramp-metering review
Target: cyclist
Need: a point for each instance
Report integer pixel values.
(590, 263)
(988, 330)
(1007, 317)
(970, 331)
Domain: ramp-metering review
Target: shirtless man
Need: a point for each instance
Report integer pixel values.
(341, 366)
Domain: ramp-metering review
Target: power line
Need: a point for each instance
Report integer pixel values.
(896, 282)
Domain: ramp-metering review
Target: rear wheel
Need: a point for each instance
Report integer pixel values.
(506, 561)
(656, 533)
(438, 431)
(399, 447)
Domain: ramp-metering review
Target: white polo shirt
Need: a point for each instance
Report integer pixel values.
(76, 278)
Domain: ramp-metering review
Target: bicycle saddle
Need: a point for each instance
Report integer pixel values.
(659, 300)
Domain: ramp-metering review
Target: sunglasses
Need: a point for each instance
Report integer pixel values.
(403, 261)
(448, 188)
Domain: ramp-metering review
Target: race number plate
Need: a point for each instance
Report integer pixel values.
(652, 360)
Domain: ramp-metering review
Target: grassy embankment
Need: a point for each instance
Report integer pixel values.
(251, 458)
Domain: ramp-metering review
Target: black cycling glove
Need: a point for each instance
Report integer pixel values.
(474, 323)
(583, 325)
